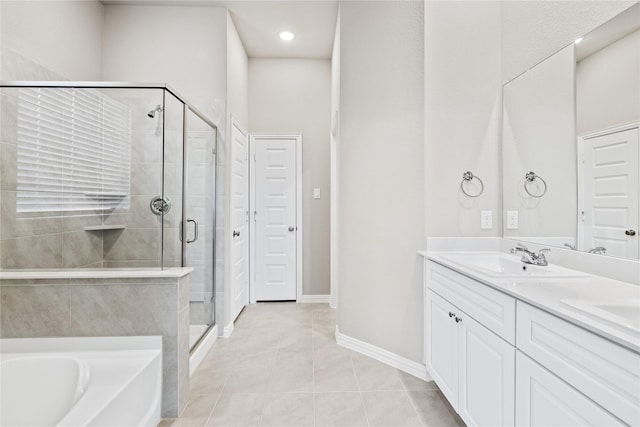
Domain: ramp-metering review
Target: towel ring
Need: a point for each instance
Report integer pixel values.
(531, 177)
(468, 177)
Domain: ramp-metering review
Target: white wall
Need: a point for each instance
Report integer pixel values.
(533, 30)
(184, 47)
(608, 87)
(335, 163)
(540, 136)
(63, 37)
(381, 151)
(237, 78)
(290, 96)
(462, 115)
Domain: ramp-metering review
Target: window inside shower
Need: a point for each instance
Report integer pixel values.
(108, 177)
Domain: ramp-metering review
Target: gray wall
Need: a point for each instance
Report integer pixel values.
(294, 95)
(381, 170)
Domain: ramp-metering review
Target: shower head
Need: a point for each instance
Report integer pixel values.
(153, 112)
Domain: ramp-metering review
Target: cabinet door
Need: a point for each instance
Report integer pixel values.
(442, 346)
(542, 399)
(487, 376)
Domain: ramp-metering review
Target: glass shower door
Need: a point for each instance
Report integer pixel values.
(198, 225)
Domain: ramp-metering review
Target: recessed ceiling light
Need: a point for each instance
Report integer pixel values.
(287, 35)
(578, 40)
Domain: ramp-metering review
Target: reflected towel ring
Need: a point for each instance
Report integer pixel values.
(468, 177)
(531, 177)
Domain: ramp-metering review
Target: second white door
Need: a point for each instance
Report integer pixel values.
(239, 221)
(276, 228)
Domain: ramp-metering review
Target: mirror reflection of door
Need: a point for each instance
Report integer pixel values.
(610, 215)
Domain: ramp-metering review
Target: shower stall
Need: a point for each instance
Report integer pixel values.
(108, 176)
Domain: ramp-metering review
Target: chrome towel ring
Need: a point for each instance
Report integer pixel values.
(468, 177)
(532, 177)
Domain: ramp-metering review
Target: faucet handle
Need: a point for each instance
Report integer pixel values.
(544, 250)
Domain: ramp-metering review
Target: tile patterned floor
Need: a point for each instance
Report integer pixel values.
(282, 367)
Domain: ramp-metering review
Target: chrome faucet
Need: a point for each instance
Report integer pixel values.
(530, 257)
(598, 250)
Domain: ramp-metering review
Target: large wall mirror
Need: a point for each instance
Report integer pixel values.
(570, 144)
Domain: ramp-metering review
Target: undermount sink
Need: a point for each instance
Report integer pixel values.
(505, 266)
(622, 312)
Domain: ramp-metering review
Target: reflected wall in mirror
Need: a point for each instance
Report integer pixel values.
(573, 120)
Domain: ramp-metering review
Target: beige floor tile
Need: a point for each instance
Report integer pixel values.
(342, 409)
(434, 410)
(237, 410)
(207, 382)
(373, 375)
(288, 409)
(390, 408)
(198, 410)
(292, 372)
(282, 367)
(248, 381)
(416, 384)
(334, 375)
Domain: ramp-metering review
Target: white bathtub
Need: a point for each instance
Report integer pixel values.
(112, 381)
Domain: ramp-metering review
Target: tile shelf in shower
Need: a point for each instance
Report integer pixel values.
(104, 227)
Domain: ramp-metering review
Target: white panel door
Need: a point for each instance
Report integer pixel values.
(239, 289)
(275, 217)
(544, 400)
(611, 193)
(487, 376)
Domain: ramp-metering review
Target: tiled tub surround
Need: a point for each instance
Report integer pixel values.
(105, 302)
(531, 317)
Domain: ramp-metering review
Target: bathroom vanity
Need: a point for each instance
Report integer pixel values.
(515, 344)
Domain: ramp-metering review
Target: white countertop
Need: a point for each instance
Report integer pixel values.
(98, 273)
(547, 294)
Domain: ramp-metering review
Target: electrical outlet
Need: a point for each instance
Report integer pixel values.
(316, 193)
(486, 220)
(512, 220)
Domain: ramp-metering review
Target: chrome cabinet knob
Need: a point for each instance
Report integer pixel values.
(630, 232)
(236, 233)
(458, 319)
(451, 314)
(291, 228)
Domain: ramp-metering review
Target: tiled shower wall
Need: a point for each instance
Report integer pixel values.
(52, 240)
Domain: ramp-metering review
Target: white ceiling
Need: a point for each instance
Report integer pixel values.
(260, 21)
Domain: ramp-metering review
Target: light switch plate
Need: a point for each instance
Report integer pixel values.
(512, 220)
(316, 193)
(486, 220)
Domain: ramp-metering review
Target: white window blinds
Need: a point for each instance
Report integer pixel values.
(74, 151)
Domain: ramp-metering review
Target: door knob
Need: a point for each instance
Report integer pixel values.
(291, 228)
(236, 233)
(630, 232)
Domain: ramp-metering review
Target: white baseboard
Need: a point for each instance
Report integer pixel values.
(228, 330)
(316, 299)
(409, 366)
(198, 355)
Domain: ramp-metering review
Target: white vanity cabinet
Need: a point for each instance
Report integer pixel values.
(585, 378)
(543, 399)
(474, 367)
(536, 370)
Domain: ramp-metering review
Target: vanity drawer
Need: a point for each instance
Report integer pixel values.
(607, 373)
(493, 309)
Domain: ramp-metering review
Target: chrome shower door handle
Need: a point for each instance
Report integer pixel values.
(195, 230)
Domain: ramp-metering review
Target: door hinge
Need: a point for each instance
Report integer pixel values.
(255, 213)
